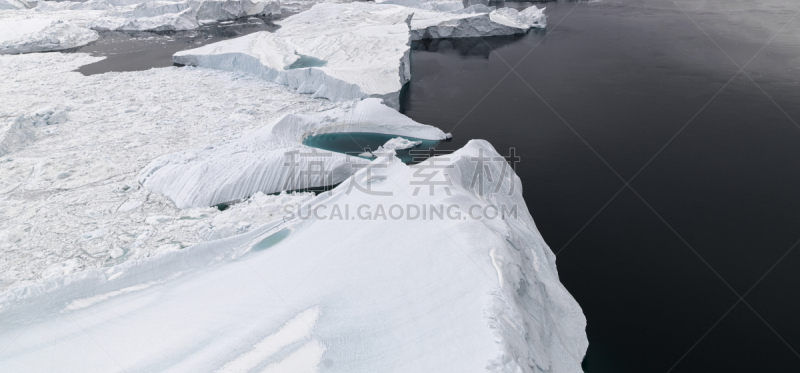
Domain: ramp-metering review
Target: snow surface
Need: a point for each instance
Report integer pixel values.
(41, 34)
(70, 198)
(320, 294)
(262, 161)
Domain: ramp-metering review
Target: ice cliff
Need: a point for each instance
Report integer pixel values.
(319, 294)
(273, 158)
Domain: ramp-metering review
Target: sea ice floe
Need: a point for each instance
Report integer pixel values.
(42, 34)
(273, 159)
(314, 293)
(351, 51)
(80, 175)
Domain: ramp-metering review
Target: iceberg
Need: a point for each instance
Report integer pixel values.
(221, 10)
(473, 22)
(321, 294)
(14, 4)
(42, 34)
(351, 51)
(273, 159)
(336, 51)
(184, 20)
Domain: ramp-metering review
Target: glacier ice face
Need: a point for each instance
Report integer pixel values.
(357, 50)
(273, 159)
(322, 294)
(42, 34)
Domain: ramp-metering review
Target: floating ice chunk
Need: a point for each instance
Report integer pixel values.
(530, 17)
(397, 143)
(483, 295)
(273, 159)
(15, 134)
(42, 34)
(184, 20)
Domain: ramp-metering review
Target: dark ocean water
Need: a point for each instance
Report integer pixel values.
(647, 92)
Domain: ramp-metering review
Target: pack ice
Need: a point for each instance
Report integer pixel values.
(42, 34)
(273, 159)
(313, 293)
(351, 51)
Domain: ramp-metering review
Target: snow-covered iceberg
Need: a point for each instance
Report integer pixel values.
(323, 294)
(42, 34)
(273, 159)
(351, 51)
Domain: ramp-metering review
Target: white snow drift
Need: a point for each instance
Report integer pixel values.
(321, 294)
(41, 34)
(273, 158)
(351, 51)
